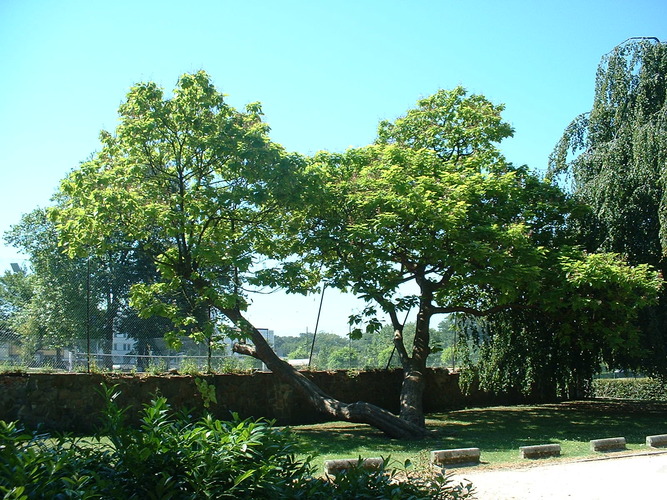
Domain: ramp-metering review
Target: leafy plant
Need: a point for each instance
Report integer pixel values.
(207, 392)
(170, 456)
(643, 389)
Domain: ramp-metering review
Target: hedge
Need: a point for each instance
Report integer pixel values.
(642, 389)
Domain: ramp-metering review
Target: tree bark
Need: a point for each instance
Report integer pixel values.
(414, 366)
(412, 397)
(358, 412)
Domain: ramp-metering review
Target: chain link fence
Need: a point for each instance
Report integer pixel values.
(126, 353)
(80, 320)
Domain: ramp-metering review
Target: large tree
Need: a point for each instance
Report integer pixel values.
(198, 186)
(432, 218)
(615, 159)
(432, 205)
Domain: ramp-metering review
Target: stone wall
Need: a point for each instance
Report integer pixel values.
(73, 401)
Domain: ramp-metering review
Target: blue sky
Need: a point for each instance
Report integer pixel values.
(325, 72)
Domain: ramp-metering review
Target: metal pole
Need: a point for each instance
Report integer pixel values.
(88, 312)
(317, 323)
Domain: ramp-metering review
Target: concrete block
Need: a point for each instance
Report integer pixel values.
(540, 451)
(333, 467)
(659, 441)
(455, 456)
(608, 444)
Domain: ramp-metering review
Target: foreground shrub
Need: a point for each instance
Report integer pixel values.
(170, 456)
(643, 389)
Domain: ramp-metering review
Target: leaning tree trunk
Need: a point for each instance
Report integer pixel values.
(359, 412)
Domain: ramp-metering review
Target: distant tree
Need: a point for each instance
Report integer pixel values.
(343, 358)
(72, 298)
(615, 159)
(51, 311)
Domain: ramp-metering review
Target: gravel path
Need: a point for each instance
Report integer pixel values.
(636, 476)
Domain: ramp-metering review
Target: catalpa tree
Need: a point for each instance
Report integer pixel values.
(198, 187)
(431, 218)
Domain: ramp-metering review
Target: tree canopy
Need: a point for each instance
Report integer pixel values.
(199, 187)
(430, 216)
(432, 204)
(615, 159)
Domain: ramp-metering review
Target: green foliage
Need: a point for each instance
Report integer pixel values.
(615, 159)
(207, 392)
(429, 218)
(172, 456)
(395, 484)
(368, 352)
(642, 389)
(615, 156)
(32, 466)
(193, 184)
(584, 315)
(57, 302)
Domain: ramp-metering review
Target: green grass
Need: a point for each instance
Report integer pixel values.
(497, 431)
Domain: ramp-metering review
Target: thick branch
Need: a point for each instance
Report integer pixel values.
(359, 412)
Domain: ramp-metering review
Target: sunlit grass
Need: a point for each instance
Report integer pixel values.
(497, 431)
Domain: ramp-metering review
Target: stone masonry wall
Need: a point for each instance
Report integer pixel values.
(73, 401)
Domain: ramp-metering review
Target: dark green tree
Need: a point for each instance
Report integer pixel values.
(72, 298)
(614, 158)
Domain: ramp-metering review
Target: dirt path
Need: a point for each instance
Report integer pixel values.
(640, 476)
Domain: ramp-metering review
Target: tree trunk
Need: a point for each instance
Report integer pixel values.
(412, 397)
(414, 367)
(359, 412)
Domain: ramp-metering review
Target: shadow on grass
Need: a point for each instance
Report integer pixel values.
(501, 429)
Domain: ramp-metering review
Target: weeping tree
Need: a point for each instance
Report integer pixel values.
(198, 187)
(614, 159)
(583, 315)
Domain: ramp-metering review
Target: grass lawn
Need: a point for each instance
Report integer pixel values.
(497, 431)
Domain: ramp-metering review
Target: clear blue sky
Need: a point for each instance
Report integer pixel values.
(326, 73)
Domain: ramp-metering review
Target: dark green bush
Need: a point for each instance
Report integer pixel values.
(643, 389)
(170, 456)
(36, 466)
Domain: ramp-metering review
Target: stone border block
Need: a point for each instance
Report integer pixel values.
(608, 444)
(333, 467)
(455, 456)
(659, 441)
(540, 451)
